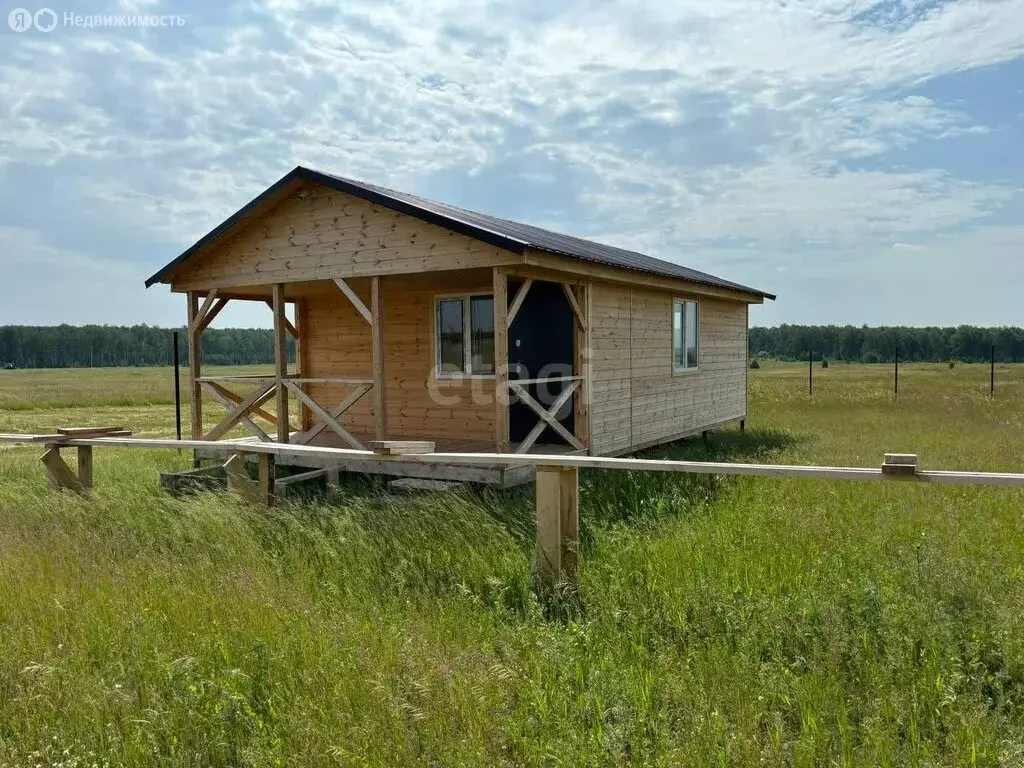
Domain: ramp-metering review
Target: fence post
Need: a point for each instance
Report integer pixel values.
(896, 380)
(810, 372)
(992, 384)
(557, 502)
(177, 387)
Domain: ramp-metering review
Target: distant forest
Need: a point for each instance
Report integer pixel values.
(876, 345)
(100, 346)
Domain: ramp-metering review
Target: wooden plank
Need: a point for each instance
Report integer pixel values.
(517, 302)
(196, 324)
(229, 405)
(548, 486)
(280, 362)
(501, 324)
(87, 431)
(342, 455)
(313, 474)
(582, 367)
(354, 298)
(547, 416)
(212, 313)
(195, 366)
(400, 447)
(380, 407)
(571, 298)
(301, 357)
(292, 330)
(59, 473)
(256, 398)
(238, 479)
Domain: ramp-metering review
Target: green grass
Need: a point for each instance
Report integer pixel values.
(717, 622)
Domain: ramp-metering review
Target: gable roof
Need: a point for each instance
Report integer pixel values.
(509, 235)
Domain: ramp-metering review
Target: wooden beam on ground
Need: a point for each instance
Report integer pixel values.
(501, 324)
(547, 416)
(256, 398)
(557, 500)
(195, 365)
(326, 418)
(517, 302)
(59, 473)
(238, 479)
(354, 298)
(400, 447)
(280, 362)
(380, 392)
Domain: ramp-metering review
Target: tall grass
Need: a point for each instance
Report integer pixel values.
(724, 622)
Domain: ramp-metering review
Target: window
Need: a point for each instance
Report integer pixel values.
(684, 335)
(465, 336)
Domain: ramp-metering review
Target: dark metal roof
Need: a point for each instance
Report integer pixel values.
(502, 233)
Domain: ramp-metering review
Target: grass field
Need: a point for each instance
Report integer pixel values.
(717, 622)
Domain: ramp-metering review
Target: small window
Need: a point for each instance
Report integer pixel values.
(685, 337)
(465, 336)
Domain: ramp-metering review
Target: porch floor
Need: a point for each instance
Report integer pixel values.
(487, 474)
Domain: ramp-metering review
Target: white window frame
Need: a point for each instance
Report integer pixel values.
(467, 343)
(678, 301)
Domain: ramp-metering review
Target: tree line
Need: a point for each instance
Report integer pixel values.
(965, 343)
(102, 346)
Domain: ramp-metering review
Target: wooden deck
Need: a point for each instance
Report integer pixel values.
(501, 475)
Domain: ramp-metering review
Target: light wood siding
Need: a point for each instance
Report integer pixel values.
(338, 345)
(318, 233)
(610, 407)
(638, 399)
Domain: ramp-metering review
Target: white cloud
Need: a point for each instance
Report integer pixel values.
(679, 129)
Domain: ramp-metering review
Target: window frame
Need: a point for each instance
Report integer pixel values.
(467, 336)
(679, 301)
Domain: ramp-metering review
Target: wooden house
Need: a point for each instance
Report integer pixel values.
(413, 319)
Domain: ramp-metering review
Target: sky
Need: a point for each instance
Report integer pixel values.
(863, 160)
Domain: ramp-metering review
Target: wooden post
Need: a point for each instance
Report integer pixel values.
(301, 358)
(265, 489)
(992, 382)
(581, 367)
(557, 523)
(380, 413)
(280, 361)
(85, 465)
(896, 379)
(175, 360)
(501, 423)
(195, 364)
(810, 372)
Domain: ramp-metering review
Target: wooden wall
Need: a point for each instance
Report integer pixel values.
(338, 345)
(638, 400)
(318, 233)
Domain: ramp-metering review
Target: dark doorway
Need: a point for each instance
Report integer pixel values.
(540, 345)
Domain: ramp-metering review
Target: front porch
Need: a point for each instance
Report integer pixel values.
(376, 358)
